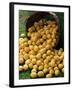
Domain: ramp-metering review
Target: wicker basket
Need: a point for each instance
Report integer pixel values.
(40, 15)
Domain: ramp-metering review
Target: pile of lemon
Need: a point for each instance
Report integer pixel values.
(38, 52)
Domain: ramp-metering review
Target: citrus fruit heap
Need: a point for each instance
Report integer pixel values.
(37, 50)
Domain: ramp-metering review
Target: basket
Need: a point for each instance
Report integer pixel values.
(43, 15)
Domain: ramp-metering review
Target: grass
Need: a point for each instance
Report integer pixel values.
(25, 74)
